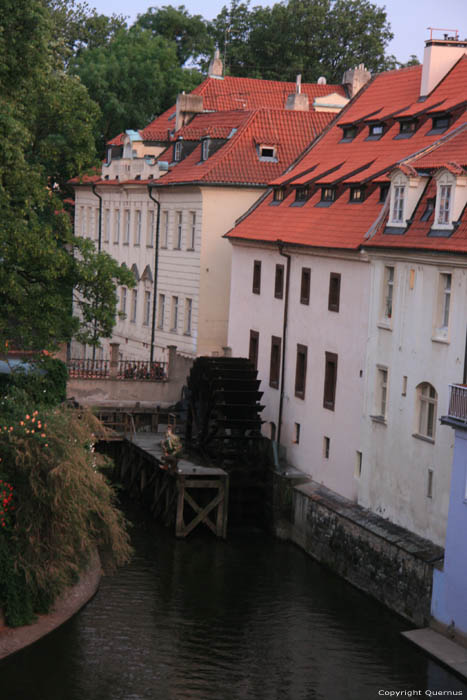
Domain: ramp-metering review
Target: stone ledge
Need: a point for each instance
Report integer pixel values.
(13, 639)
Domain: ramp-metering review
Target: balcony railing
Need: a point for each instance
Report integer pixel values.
(88, 369)
(458, 402)
(139, 370)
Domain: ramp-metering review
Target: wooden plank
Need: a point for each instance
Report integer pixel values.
(202, 514)
(179, 522)
(226, 506)
(200, 484)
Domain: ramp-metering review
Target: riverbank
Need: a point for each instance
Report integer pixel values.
(13, 639)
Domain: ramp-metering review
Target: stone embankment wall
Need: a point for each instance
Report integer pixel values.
(393, 565)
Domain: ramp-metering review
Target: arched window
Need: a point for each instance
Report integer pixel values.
(427, 400)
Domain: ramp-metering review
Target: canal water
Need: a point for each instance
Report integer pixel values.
(202, 619)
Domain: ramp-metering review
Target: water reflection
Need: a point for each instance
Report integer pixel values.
(208, 620)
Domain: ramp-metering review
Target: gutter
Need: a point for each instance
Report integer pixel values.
(156, 272)
(280, 245)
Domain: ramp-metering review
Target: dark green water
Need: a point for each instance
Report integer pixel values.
(203, 619)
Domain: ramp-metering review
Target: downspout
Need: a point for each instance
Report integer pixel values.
(99, 246)
(284, 337)
(464, 376)
(156, 272)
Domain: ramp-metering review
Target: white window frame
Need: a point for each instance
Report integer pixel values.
(443, 307)
(205, 149)
(134, 305)
(150, 230)
(188, 316)
(147, 308)
(117, 226)
(165, 229)
(123, 299)
(387, 297)
(178, 151)
(398, 204)
(127, 224)
(427, 407)
(174, 314)
(161, 312)
(445, 192)
(138, 227)
(178, 231)
(381, 393)
(193, 230)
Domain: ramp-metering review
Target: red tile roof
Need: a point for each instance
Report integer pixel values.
(230, 94)
(238, 161)
(344, 224)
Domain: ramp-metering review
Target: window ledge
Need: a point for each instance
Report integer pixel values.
(425, 438)
(149, 245)
(379, 419)
(385, 325)
(187, 333)
(440, 339)
(190, 250)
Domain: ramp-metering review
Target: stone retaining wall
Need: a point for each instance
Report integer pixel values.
(393, 565)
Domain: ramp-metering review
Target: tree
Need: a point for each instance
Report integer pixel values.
(46, 133)
(189, 32)
(311, 37)
(134, 78)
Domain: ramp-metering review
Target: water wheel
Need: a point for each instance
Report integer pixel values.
(223, 417)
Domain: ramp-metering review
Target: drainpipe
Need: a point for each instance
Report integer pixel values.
(280, 245)
(156, 271)
(464, 376)
(99, 246)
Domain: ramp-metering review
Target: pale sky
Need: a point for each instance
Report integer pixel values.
(409, 19)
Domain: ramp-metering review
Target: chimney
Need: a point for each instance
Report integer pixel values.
(355, 78)
(187, 107)
(298, 101)
(216, 68)
(439, 57)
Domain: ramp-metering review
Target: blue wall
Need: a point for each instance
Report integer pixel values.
(449, 600)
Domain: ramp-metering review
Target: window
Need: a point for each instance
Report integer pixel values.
(117, 226)
(349, 132)
(407, 127)
(328, 194)
(267, 151)
(178, 151)
(444, 209)
(326, 446)
(388, 291)
(123, 296)
(256, 277)
(398, 204)
(275, 365)
(301, 194)
(383, 192)
(147, 308)
(134, 305)
(253, 348)
(300, 371)
(330, 380)
(138, 228)
(429, 209)
(356, 194)
(205, 149)
(305, 286)
(126, 235)
(443, 305)
(440, 123)
(381, 393)
(150, 231)
(188, 315)
(376, 131)
(278, 195)
(334, 291)
(427, 404)
(174, 314)
(96, 225)
(358, 464)
(297, 433)
(193, 230)
(161, 312)
(178, 240)
(279, 282)
(83, 221)
(165, 229)
(107, 226)
(429, 484)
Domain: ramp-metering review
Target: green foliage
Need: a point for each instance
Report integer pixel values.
(133, 78)
(64, 509)
(311, 37)
(44, 385)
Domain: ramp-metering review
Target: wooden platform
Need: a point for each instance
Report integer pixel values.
(177, 493)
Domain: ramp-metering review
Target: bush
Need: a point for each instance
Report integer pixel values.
(44, 385)
(63, 508)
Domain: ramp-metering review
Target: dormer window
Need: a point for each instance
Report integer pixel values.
(205, 149)
(375, 131)
(406, 191)
(301, 194)
(398, 204)
(407, 128)
(356, 194)
(349, 133)
(267, 153)
(440, 123)
(383, 192)
(328, 194)
(429, 209)
(279, 194)
(178, 151)
(444, 209)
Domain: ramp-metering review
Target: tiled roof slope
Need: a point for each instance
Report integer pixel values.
(231, 93)
(344, 224)
(238, 160)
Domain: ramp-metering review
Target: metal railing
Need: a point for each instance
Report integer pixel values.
(88, 369)
(458, 402)
(139, 370)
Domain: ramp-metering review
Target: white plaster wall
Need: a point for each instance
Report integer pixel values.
(394, 477)
(321, 330)
(221, 207)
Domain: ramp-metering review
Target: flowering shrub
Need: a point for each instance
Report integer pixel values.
(62, 509)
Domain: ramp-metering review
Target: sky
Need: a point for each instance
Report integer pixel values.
(409, 19)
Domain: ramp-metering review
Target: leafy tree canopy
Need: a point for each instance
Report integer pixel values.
(46, 135)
